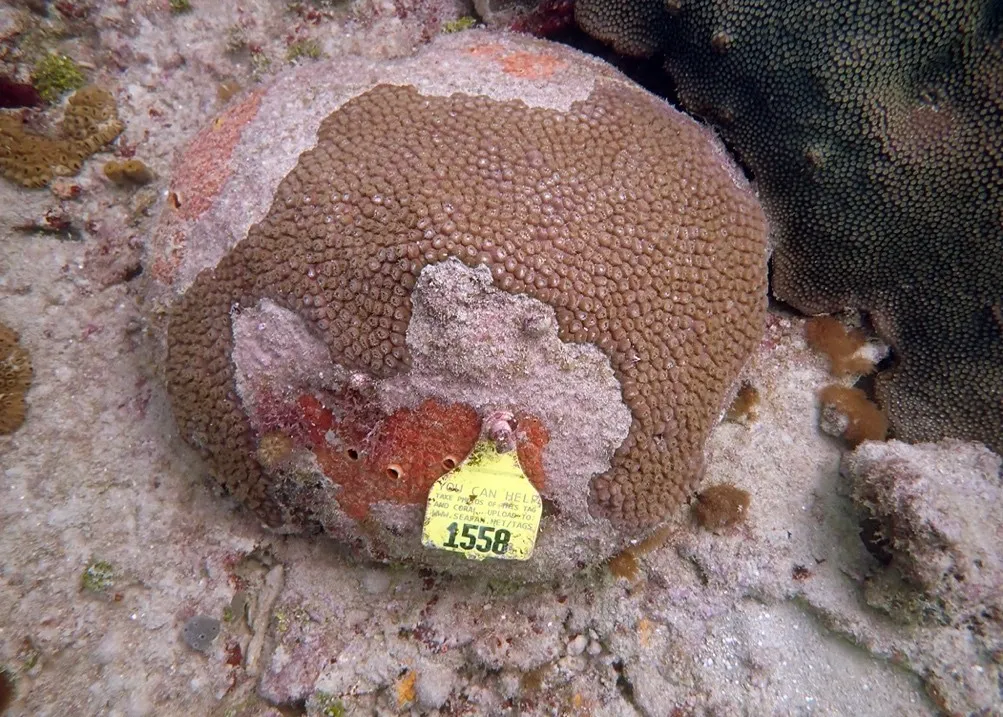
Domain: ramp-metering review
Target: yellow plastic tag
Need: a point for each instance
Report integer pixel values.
(484, 508)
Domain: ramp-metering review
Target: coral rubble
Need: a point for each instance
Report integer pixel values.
(940, 542)
(461, 249)
(875, 133)
(942, 539)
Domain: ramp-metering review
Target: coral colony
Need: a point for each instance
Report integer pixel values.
(390, 263)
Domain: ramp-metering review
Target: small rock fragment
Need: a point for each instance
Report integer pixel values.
(200, 631)
(434, 685)
(938, 511)
(577, 645)
(261, 615)
(65, 189)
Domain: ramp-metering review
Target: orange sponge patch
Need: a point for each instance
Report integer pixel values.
(852, 415)
(393, 458)
(829, 336)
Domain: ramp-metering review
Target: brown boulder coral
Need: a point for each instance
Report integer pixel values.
(531, 242)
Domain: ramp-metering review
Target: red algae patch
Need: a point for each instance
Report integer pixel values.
(199, 178)
(531, 440)
(536, 65)
(531, 65)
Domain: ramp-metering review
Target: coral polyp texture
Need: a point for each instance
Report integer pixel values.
(418, 257)
(875, 133)
(89, 123)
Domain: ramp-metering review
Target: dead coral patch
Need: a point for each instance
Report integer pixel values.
(90, 122)
(941, 536)
(15, 378)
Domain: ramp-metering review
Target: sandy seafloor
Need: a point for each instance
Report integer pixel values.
(768, 620)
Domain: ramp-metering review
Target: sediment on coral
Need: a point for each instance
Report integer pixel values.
(875, 133)
(90, 122)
